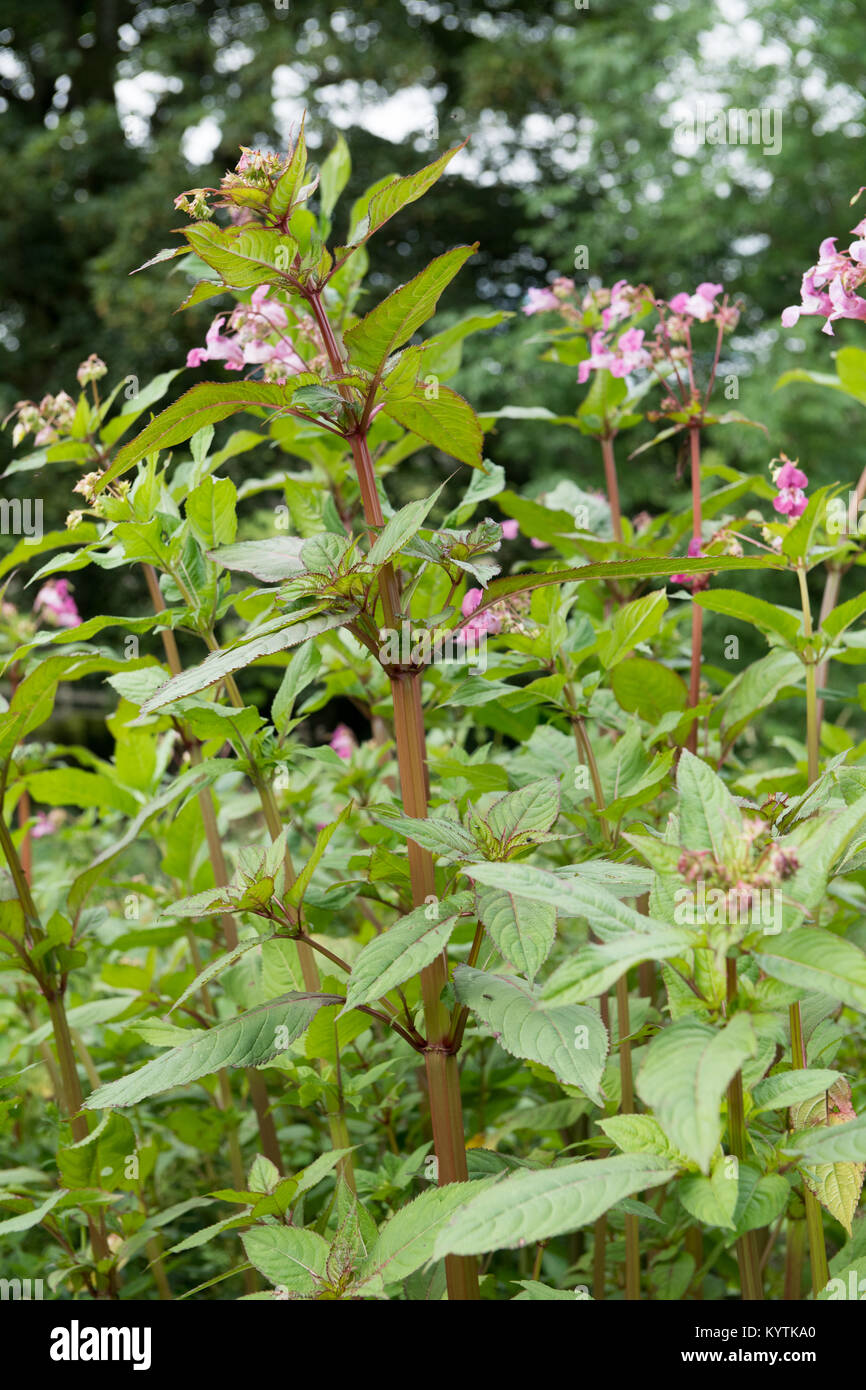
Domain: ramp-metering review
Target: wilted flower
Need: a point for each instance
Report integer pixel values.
(92, 369)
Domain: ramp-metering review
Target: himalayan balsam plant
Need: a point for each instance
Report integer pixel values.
(536, 972)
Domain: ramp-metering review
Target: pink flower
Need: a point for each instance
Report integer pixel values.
(789, 475)
(343, 742)
(509, 530)
(44, 826)
(791, 501)
(256, 336)
(699, 305)
(692, 581)
(56, 605)
(485, 622)
(827, 290)
(626, 355)
(537, 544)
(538, 301)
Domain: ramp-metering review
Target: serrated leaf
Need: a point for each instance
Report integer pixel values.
(405, 948)
(569, 1039)
(712, 1200)
(523, 931)
(221, 663)
(393, 321)
(250, 1040)
(406, 1240)
(289, 1256)
(445, 420)
(790, 1088)
(531, 1206)
(811, 959)
(684, 1075)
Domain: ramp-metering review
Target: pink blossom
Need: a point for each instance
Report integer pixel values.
(485, 622)
(256, 335)
(537, 544)
(692, 581)
(56, 605)
(538, 301)
(510, 530)
(789, 475)
(343, 742)
(699, 305)
(44, 826)
(827, 289)
(626, 355)
(791, 501)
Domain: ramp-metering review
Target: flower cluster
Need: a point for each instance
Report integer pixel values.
(506, 616)
(790, 500)
(755, 863)
(828, 286)
(255, 170)
(45, 421)
(255, 336)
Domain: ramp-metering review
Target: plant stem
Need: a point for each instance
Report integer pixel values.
(751, 1286)
(256, 1082)
(796, 1249)
(443, 1078)
(632, 1235)
(814, 1219)
(697, 610)
(612, 485)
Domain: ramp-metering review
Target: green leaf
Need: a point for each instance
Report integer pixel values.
(768, 617)
(400, 528)
(845, 1143)
(443, 418)
(205, 404)
(851, 367)
(72, 786)
(211, 510)
(392, 322)
(760, 1199)
(295, 895)
(709, 816)
(100, 1159)
(523, 931)
(684, 1075)
(634, 623)
(334, 175)
(405, 948)
(531, 1206)
(712, 1200)
(640, 1134)
(592, 968)
(222, 663)
(624, 569)
(289, 1256)
(250, 1040)
(281, 199)
(244, 256)
(648, 688)
(842, 617)
(271, 561)
(27, 1219)
(217, 966)
(569, 1039)
(529, 810)
(397, 194)
(790, 1088)
(406, 1241)
(811, 959)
